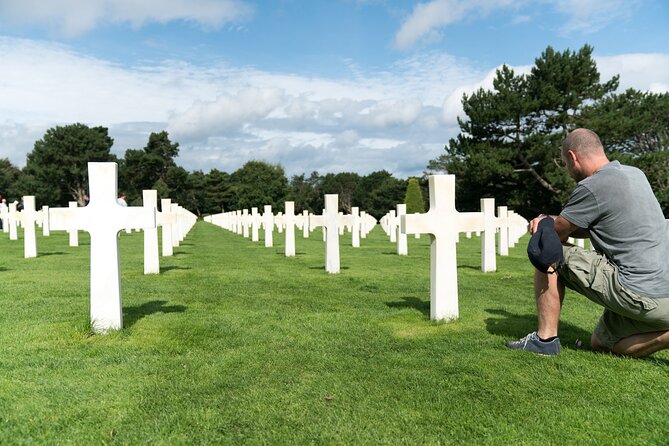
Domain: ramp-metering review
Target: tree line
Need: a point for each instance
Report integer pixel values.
(56, 172)
(509, 142)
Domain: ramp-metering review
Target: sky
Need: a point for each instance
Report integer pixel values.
(311, 85)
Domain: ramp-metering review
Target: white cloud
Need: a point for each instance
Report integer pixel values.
(225, 113)
(582, 16)
(589, 16)
(75, 17)
(396, 119)
(646, 72)
(427, 18)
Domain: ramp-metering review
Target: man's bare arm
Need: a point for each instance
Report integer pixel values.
(563, 227)
(566, 229)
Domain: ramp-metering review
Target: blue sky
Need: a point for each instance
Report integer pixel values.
(325, 85)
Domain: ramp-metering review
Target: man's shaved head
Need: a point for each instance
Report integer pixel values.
(584, 142)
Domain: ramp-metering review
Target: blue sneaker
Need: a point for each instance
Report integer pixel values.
(532, 343)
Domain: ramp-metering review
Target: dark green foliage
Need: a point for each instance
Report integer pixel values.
(217, 193)
(414, 197)
(142, 169)
(379, 192)
(257, 184)
(306, 192)
(9, 181)
(633, 122)
(508, 147)
(344, 185)
(57, 167)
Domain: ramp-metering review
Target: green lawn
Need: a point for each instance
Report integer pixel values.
(234, 343)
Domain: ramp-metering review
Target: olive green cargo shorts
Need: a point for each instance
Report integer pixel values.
(625, 312)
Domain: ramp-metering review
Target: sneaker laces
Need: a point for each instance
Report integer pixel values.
(526, 339)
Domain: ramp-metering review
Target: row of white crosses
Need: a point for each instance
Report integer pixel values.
(332, 222)
(510, 226)
(103, 218)
(176, 222)
(444, 223)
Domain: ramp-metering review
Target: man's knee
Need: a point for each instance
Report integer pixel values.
(597, 345)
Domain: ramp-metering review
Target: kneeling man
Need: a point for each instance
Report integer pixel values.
(628, 271)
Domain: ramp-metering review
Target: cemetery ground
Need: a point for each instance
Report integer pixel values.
(235, 343)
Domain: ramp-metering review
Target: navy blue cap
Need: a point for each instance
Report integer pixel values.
(545, 247)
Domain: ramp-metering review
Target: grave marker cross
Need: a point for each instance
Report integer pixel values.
(103, 218)
(151, 258)
(329, 222)
(443, 222)
(29, 217)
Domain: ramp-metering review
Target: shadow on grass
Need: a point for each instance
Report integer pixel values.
(133, 314)
(515, 326)
(2, 268)
(323, 267)
(475, 268)
(56, 253)
(170, 268)
(412, 302)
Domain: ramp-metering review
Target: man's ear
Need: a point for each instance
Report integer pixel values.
(572, 155)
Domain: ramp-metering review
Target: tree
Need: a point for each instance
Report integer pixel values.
(141, 169)
(58, 163)
(632, 122)
(414, 197)
(257, 184)
(217, 191)
(306, 192)
(9, 179)
(379, 192)
(509, 145)
(343, 184)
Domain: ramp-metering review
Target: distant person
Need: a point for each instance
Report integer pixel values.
(628, 273)
(121, 200)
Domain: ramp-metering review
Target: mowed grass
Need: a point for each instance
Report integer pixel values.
(233, 343)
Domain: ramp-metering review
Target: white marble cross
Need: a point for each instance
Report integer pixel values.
(240, 222)
(246, 223)
(28, 219)
(166, 219)
(255, 224)
(103, 218)
(268, 225)
(288, 221)
(363, 224)
(329, 222)
(305, 223)
(443, 222)
(402, 245)
(151, 258)
(503, 225)
(176, 224)
(13, 222)
(355, 227)
(488, 259)
(73, 232)
(46, 230)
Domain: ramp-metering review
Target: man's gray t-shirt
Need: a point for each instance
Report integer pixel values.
(618, 208)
